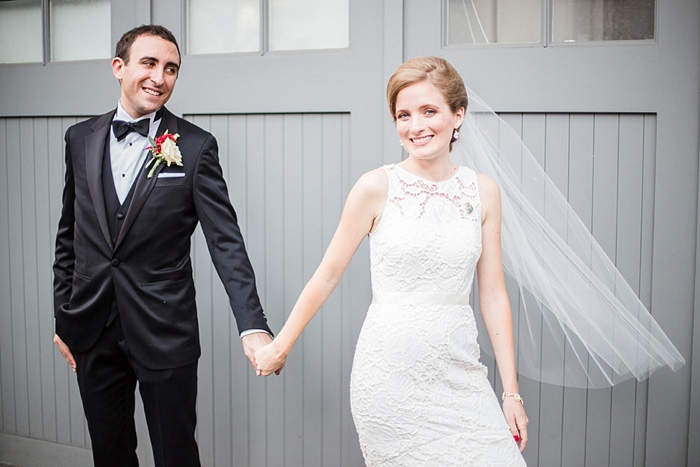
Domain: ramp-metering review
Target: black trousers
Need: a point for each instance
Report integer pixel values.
(107, 377)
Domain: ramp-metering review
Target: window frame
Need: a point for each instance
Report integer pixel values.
(546, 31)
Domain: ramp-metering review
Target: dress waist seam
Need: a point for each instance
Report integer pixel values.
(425, 298)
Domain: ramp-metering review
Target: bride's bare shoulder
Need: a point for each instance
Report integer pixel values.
(489, 191)
(487, 185)
(374, 183)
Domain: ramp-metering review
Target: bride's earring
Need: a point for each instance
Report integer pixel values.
(455, 135)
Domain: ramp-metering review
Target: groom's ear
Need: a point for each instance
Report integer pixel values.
(117, 68)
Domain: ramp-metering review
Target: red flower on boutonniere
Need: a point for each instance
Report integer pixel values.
(164, 149)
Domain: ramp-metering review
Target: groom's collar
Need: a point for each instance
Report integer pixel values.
(122, 114)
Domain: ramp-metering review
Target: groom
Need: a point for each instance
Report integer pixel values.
(124, 297)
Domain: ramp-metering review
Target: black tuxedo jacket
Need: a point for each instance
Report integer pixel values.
(147, 271)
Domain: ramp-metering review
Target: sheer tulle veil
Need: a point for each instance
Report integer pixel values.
(571, 295)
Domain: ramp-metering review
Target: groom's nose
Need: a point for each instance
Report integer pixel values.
(157, 74)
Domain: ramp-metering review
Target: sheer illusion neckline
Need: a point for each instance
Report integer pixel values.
(427, 180)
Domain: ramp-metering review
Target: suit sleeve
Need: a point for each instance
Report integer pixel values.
(64, 262)
(224, 239)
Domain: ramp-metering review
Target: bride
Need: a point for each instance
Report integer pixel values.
(418, 391)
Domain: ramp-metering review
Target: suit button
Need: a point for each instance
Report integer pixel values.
(115, 262)
(120, 216)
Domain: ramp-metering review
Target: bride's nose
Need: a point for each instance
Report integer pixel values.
(417, 124)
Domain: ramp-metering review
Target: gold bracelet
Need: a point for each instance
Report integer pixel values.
(515, 396)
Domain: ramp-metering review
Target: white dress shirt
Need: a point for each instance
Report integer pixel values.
(129, 154)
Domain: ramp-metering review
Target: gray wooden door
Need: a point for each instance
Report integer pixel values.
(616, 126)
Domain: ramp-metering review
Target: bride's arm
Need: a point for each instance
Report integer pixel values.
(495, 306)
(362, 210)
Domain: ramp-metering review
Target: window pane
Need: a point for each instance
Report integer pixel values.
(223, 26)
(309, 24)
(602, 20)
(80, 29)
(20, 31)
(494, 22)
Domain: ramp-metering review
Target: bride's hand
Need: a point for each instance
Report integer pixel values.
(517, 421)
(269, 359)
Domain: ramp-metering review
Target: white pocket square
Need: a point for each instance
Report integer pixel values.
(171, 174)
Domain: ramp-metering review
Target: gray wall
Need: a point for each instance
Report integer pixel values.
(292, 144)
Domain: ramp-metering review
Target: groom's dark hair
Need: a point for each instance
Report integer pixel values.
(124, 45)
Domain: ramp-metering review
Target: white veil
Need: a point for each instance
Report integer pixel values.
(571, 293)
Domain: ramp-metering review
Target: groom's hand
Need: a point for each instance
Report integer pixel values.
(65, 351)
(253, 342)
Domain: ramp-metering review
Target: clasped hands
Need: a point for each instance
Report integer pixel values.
(269, 359)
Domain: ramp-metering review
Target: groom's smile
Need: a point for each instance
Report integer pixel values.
(153, 92)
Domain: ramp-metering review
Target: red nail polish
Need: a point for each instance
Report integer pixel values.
(516, 438)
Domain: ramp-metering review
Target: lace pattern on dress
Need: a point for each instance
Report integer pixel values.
(414, 196)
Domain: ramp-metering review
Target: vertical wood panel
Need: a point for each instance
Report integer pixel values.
(236, 163)
(556, 164)
(534, 132)
(647, 234)
(16, 279)
(295, 277)
(255, 228)
(312, 344)
(579, 194)
(333, 200)
(223, 332)
(629, 219)
(274, 274)
(7, 406)
(48, 148)
(30, 260)
(605, 147)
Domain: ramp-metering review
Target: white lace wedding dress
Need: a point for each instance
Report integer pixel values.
(419, 395)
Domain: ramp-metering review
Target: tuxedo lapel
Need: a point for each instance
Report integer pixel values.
(144, 185)
(94, 155)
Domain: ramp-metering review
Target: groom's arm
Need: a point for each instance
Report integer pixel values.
(224, 239)
(64, 262)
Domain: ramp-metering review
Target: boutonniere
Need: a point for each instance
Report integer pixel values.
(164, 149)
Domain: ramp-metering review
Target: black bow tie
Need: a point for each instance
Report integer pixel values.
(122, 128)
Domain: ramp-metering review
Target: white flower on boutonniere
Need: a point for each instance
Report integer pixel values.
(164, 149)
